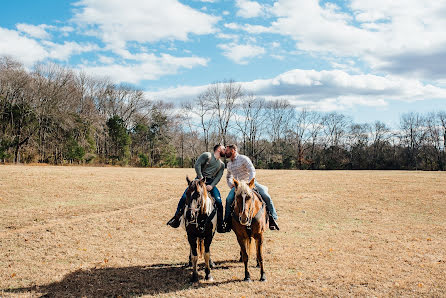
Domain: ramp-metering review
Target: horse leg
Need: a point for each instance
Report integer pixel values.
(259, 245)
(194, 257)
(189, 264)
(207, 257)
(242, 243)
(241, 254)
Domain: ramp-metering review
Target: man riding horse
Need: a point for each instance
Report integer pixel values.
(211, 168)
(240, 167)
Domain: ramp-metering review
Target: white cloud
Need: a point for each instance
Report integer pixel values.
(143, 67)
(388, 32)
(325, 90)
(64, 51)
(29, 51)
(248, 9)
(241, 53)
(35, 31)
(227, 36)
(106, 59)
(117, 22)
(22, 48)
(278, 57)
(177, 94)
(233, 26)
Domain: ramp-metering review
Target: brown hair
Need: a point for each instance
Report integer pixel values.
(232, 146)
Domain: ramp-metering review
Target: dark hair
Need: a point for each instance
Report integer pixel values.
(217, 146)
(232, 146)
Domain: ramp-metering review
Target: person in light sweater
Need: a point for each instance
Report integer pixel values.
(240, 167)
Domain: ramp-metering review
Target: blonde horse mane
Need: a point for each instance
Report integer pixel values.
(206, 201)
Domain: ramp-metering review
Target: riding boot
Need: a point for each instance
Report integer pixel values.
(220, 225)
(175, 220)
(228, 225)
(272, 223)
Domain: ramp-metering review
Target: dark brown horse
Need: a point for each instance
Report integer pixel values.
(249, 221)
(200, 222)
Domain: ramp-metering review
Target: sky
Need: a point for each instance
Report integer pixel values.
(371, 60)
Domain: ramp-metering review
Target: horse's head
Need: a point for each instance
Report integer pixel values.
(196, 198)
(244, 201)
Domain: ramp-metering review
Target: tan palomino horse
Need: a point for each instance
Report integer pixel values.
(249, 221)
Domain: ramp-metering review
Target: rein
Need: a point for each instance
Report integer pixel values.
(251, 218)
(199, 211)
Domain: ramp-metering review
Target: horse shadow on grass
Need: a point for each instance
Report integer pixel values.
(126, 281)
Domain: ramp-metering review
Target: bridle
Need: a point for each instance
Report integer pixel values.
(250, 211)
(194, 212)
(199, 197)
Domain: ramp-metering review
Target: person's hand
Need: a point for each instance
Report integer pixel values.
(232, 186)
(209, 187)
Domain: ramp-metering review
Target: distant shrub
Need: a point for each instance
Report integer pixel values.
(143, 160)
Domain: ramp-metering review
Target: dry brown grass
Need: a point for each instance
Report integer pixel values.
(84, 231)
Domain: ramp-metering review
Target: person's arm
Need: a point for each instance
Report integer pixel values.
(218, 176)
(201, 161)
(250, 168)
(229, 178)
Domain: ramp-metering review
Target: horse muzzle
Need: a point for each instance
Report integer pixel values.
(243, 220)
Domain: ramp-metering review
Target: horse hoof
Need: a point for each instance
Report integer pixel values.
(209, 278)
(194, 279)
(247, 279)
(263, 278)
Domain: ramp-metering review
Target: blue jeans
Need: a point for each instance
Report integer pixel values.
(214, 193)
(263, 191)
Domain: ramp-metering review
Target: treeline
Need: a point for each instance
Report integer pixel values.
(52, 114)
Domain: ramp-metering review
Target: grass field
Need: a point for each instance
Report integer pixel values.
(85, 231)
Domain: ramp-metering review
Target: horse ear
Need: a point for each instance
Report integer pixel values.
(188, 180)
(236, 183)
(252, 183)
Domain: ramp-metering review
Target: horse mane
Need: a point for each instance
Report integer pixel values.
(206, 202)
(243, 187)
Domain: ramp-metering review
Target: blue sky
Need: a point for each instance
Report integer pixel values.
(373, 60)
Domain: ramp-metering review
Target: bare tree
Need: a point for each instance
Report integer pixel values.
(301, 124)
(250, 120)
(223, 98)
(314, 131)
(201, 108)
(379, 136)
(357, 139)
(335, 125)
(413, 133)
(279, 114)
(18, 106)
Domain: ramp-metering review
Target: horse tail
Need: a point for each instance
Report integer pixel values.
(200, 244)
